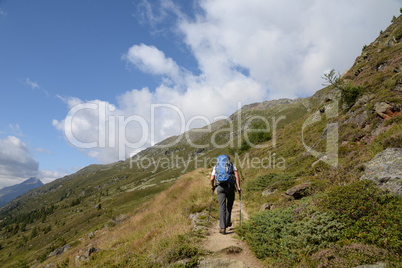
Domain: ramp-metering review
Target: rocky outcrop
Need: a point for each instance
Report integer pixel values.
(390, 42)
(59, 251)
(385, 110)
(385, 169)
(85, 257)
(299, 191)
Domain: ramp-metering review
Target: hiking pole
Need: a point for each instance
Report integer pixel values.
(210, 206)
(240, 208)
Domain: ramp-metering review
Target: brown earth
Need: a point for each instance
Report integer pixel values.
(227, 250)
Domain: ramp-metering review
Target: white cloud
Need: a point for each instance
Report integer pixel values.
(35, 85)
(149, 59)
(31, 83)
(246, 51)
(286, 45)
(47, 176)
(16, 162)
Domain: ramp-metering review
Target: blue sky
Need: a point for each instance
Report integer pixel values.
(197, 59)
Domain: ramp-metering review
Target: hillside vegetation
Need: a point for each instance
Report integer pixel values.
(136, 213)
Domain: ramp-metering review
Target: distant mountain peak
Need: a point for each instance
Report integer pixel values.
(32, 180)
(11, 192)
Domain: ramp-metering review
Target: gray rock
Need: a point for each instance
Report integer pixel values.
(358, 117)
(60, 250)
(398, 86)
(221, 263)
(385, 169)
(382, 108)
(299, 191)
(196, 221)
(266, 206)
(268, 192)
(85, 257)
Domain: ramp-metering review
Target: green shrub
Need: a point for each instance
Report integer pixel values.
(244, 147)
(279, 235)
(370, 215)
(257, 133)
(350, 94)
(184, 251)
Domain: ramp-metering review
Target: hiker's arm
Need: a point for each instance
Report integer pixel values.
(213, 182)
(237, 181)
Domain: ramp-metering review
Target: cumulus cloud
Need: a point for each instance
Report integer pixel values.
(16, 162)
(286, 46)
(246, 51)
(151, 60)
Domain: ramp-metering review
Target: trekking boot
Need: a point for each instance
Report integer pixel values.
(222, 231)
(229, 225)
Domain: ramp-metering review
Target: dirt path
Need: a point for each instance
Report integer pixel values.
(227, 251)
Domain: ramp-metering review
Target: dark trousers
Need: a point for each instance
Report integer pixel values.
(226, 196)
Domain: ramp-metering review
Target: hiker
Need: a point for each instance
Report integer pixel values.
(226, 176)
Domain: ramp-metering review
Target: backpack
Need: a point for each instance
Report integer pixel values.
(224, 171)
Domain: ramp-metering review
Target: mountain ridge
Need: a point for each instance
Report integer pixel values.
(11, 192)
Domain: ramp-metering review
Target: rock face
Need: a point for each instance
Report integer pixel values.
(385, 169)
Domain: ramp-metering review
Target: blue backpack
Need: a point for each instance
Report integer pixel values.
(224, 171)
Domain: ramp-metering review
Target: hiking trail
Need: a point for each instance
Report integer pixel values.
(227, 251)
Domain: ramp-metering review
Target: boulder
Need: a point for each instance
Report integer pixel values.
(299, 191)
(385, 169)
(266, 206)
(268, 192)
